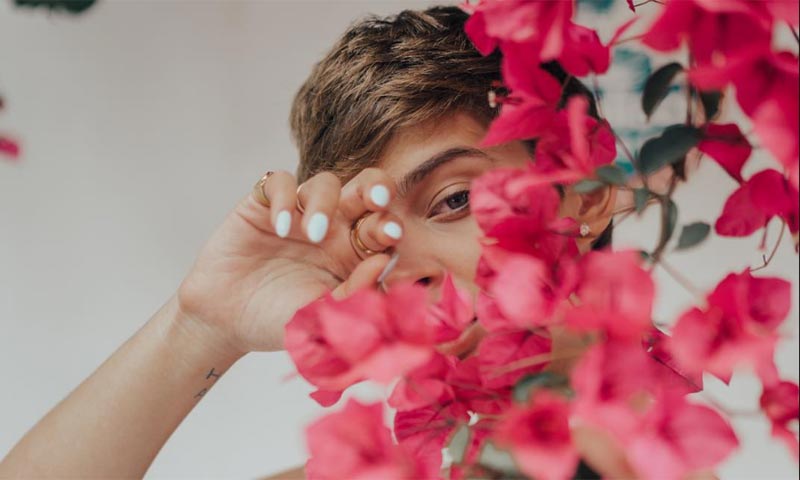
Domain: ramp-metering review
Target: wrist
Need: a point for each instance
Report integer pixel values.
(200, 342)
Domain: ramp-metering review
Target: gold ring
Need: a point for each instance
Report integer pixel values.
(355, 239)
(300, 206)
(258, 190)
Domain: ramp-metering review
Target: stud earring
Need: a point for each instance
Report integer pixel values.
(585, 229)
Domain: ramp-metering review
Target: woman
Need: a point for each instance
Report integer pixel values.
(388, 127)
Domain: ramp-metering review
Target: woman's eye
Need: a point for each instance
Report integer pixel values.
(453, 203)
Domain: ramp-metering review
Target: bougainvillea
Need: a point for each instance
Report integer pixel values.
(568, 342)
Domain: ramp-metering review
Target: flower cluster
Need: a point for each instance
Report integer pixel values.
(569, 355)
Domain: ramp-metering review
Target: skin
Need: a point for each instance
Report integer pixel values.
(247, 282)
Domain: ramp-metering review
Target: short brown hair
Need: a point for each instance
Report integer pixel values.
(388, 73)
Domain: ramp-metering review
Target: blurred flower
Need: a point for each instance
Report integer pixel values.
(780, 404)
(765, 195)
(676, 438)
(737, 327)
(766, 89)
(354, 443)
(727, 146)
(538, 436)
(614, 296)
(709, 27)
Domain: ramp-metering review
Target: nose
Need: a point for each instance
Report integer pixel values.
(413, 269)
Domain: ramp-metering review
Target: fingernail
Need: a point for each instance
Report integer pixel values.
(283, 223)
(317, 227)
(379, 195)
(393, 230)
(389, 267)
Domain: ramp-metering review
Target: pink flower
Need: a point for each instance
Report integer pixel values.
(676, 438)
(710, 26)
(467, 382)
(766, 89)
(615, 296)
(539, 25)
(521, 290)
(424, 386)
(780, 404)
(737, 327)
(423, 432)
(539, 438)
(354, 443)
(613, 382)
(727, 146)
(505, 357)
(576, 144)
(453, 313)
(9, 147)
(335, 344)
(765, 195)
(621, 389)
(583, 51)
(784, 11)
(528, 110)
(520, 209)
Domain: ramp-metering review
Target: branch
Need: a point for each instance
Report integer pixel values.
(766, 259)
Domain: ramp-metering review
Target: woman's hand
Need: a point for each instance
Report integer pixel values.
(264, 263)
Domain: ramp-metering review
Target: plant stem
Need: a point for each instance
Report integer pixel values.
(683, 281)
(766, 259)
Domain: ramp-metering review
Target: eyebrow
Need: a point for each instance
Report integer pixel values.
(412, 178)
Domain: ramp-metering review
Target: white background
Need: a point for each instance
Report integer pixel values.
(142, 124)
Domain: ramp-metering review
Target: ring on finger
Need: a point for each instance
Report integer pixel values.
(299, 205)
(258, 190)
(355, 239)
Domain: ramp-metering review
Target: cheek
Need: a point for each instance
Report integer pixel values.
(458, 249)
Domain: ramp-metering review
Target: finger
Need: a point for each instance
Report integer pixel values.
(280, 191)
(380, 231)
(365, 275)
(371, 190)
(319, 196)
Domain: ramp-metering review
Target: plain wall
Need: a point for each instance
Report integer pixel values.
(142, 124)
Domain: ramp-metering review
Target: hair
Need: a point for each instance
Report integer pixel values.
(385, 74)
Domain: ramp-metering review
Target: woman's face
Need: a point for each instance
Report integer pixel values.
(433, 166)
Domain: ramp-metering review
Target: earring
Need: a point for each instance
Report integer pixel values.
(585, 229)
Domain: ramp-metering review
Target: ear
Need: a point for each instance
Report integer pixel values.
(594, 209)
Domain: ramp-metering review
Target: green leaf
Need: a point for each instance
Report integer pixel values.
(528, 383)
(657, 86)
(588, 186)
(672, 221)
(646, 257)
(693, 234)
(640, 198)
(710, 101)
(612, 175)
(458, 444)
(71, 6)
(671, 147)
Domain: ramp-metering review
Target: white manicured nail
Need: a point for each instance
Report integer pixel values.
(393, 230)
(283, 223)
(379, 195)
(317, 227)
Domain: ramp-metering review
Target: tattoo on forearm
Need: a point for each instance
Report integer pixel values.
(212, 374)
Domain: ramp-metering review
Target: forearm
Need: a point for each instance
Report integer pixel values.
(117, 420)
